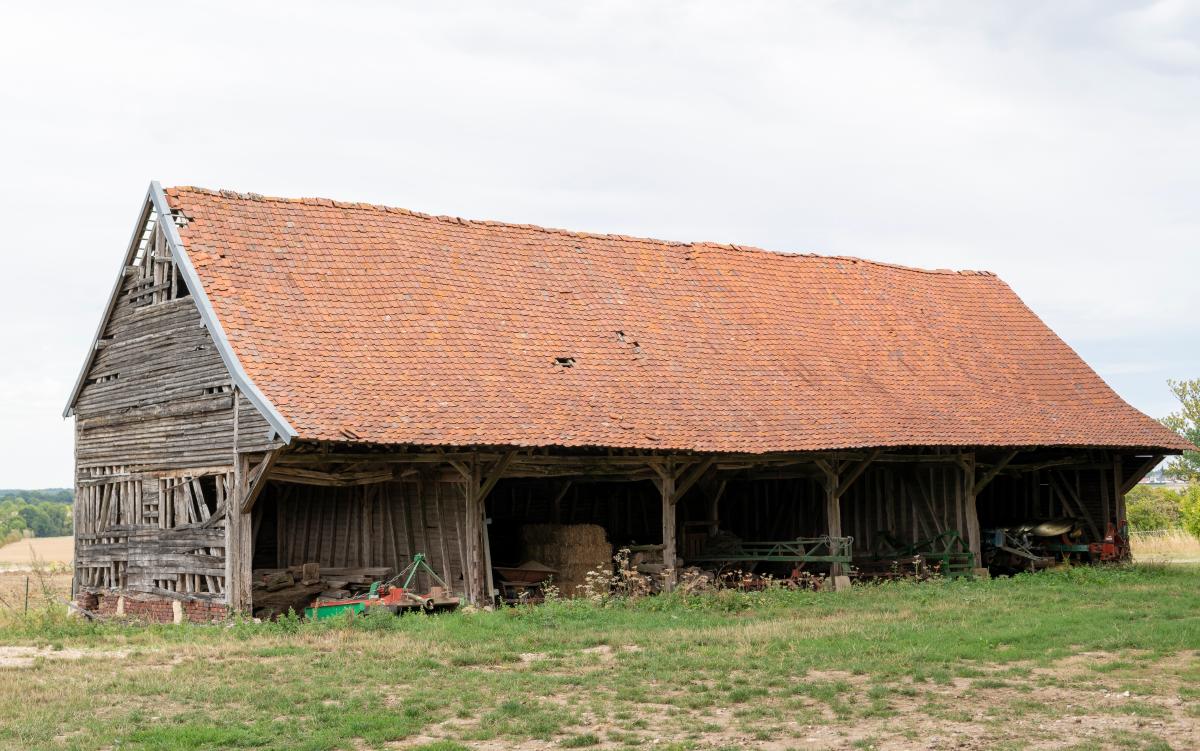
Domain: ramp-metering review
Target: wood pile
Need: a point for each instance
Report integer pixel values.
(277, 590)
(572, 550)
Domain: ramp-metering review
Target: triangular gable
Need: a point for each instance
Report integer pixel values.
(154, 208)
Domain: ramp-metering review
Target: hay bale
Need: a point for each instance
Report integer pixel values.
(572, 550)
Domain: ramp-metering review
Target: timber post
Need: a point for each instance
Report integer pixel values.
(833, 506)
(239, 555)
(667, 485)
(474, 532)
(970, 508)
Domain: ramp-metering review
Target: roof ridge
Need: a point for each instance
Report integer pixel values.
(333, 203)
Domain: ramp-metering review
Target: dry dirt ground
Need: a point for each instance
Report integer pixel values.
(1070, 704)
(45, 550)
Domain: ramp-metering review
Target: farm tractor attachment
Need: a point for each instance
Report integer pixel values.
(945, 554)
(1040, 544)
(395, 595)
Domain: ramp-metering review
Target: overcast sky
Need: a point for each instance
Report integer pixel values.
(1057, 144)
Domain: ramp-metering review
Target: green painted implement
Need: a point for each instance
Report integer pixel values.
(395, 595)
(800, 550)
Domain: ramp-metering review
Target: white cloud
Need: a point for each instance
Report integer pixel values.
(1052, 143)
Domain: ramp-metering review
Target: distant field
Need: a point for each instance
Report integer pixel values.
(43, 549)
(1076, 658)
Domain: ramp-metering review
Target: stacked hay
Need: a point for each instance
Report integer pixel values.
(570, 549)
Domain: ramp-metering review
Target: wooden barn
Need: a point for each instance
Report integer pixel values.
(278, 382)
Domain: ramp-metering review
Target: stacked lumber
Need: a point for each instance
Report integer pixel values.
(278, 590)
(572, 550)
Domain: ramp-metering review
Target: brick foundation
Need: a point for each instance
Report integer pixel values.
(147, 607)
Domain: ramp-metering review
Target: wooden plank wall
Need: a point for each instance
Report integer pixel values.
(157, 394)
(913, 503)
(254, 432)
(381, 524)
(765, 509)
(155, 415)
(1089, 493)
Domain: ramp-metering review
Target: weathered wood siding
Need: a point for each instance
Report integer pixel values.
(157, 394)
(382, 524)
(154, 443)
(254, 432)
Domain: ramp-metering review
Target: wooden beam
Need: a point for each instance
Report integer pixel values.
(257, 480)
(1066, 492)
(556, 503)
(495, 475)
(1136, 476)
(827, 468)
(461, 467)
(991, 473)
(692, 476)
(301, 476)
(845, 482)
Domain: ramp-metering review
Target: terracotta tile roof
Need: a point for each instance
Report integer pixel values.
(383, 325)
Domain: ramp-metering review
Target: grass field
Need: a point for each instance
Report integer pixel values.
(1079, 658)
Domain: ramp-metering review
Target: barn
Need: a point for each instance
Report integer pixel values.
(278, 382)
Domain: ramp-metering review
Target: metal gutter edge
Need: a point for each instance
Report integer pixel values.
(209, 316)
(143, 217)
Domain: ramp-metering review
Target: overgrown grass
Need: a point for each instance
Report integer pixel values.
(735, 669)
(1165, 545)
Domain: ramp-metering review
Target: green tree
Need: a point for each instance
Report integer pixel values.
(1148, 507)
(1186, 422)
(1190, 509)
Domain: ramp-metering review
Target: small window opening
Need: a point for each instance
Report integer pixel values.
(208, 488)
(564, 362)
(103, 378)
(181, 288)
(222, 389)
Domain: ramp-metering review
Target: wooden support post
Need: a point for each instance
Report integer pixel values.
(477, 573)
(667, 486)
(239, 544)
(833, 505)
(970, 508)
(473, 520)
(1118, 496)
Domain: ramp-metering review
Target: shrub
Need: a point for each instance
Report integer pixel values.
(1153, 508)
(1190, 509)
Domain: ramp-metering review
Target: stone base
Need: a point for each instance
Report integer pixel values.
(146, 607)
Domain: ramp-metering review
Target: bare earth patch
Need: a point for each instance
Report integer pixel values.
(25, 657)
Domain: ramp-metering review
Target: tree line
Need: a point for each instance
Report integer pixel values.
(37, 513)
